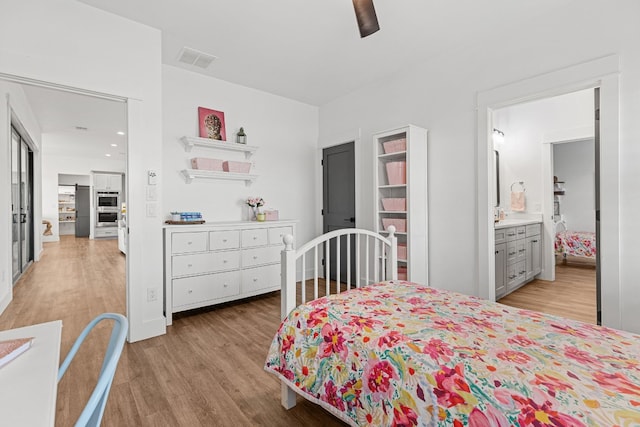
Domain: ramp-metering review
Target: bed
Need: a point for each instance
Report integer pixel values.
(574, 243)
(400, 353)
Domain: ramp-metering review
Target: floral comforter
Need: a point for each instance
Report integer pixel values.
(576, 243)
(400, 354)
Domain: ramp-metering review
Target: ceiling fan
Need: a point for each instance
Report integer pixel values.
(366, 17)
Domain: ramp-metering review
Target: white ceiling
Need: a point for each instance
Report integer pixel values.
(311, 51)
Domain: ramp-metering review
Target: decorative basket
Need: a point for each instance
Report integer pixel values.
(395, 146)
(402, 273)
(402, 251)
(394, 204)
(237, 167)
(397, 172)
(399, 223)
(203, 163)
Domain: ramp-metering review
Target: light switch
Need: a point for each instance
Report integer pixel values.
(152, 193)
(152, 210)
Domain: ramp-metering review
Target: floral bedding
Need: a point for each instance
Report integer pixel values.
(576, 243)
(400, 354)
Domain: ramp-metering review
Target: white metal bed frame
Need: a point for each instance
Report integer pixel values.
(382, 250)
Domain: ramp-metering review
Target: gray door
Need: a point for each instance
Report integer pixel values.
(339, 201)
(82, 210)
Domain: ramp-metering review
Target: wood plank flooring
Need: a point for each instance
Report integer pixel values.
(208, 369)
(572, 294)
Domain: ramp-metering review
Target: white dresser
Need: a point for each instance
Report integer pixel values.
(218, 262)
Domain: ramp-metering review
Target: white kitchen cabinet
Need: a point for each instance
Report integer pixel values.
(400, 174)
(219, 262)
(107, 182)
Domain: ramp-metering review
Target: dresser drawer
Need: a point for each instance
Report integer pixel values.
(511, 233)
(533, 230)
(183, 265)
(189, 242)
(500, 235)
(512, 252)
(255, 279)
(254, 237)
(260, 256)
(277, 233)
(521, 232)
(224, 240)
(199, 290)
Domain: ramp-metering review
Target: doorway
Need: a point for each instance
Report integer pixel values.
(339, 203)
(22, 227)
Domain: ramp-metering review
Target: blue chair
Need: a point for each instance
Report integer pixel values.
(94, 409)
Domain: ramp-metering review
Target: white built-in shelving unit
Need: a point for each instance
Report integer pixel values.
(414, 192)
(66, 209)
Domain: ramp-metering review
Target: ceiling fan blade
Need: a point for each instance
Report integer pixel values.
(366, 17)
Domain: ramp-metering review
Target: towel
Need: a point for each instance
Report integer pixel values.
(517, 201)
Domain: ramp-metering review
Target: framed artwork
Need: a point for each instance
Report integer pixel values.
(211, 124)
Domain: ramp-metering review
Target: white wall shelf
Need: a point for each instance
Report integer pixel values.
(191, 174)
(191, 141)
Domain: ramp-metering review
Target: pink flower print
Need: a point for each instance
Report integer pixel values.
(553, 382)
(378, 376)
(569, 330)
(449, 382)
(350, 393)
(287, 342)
(581, 356)
(616, 382)
(317, 317)
(391, 339)
(515, 357)
(542, 414)
(331, 396)
(360, 323)
(332, 342)
(438, 349)
(490, 417)
(404, 416)
(521, 341)
(447, 325)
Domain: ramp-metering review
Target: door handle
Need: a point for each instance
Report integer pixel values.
(352, 219)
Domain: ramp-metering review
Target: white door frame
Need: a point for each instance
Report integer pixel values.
(602, 73)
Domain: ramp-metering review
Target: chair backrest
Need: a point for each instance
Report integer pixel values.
(94, 409)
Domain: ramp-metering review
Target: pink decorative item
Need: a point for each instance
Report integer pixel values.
(402, 273)
(402, 251)
(237, 167)
(271, 215)
(202, 163)
(399, 223)
(397, 173)
(396, 204)
(211, 123)
(395, 146)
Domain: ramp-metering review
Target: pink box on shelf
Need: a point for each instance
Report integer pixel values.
(395, 146)
(237, 167)
(399, 223)
(203, 163)
(402, 251)
(402, 273)
(397, 172)
(395, 204)
(271, 215)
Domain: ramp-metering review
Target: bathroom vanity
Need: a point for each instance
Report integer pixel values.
(518, 253)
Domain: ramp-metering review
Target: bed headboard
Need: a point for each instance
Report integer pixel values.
(376, 259)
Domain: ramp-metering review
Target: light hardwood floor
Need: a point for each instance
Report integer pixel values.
(206, 371)
(572, 294)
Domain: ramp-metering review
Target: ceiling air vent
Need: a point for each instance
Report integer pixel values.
(195, 57)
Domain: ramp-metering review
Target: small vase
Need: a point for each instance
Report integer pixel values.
(254, 216)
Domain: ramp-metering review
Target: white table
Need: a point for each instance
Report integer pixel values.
(29, 383)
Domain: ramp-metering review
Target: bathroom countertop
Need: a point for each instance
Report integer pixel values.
(515, 222)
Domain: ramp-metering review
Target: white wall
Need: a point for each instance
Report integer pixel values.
(53, 164)
(68, 43)
(284, 131)
(439, 94)
(574, 163)
(525, 127)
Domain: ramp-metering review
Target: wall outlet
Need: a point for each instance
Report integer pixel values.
(152, 294)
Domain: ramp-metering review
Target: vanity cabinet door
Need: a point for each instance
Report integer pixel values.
(534, 256)
(501, 270)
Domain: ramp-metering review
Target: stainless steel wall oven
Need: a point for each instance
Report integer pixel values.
(107, 208)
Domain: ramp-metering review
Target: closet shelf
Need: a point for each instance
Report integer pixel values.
(191, 141)
(191, 174)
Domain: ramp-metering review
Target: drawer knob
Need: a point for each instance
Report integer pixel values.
(225, 285)
(190, 291)
(224, 240)
(188, 243)
(255, 279)
(255, 237)
(224, 261)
